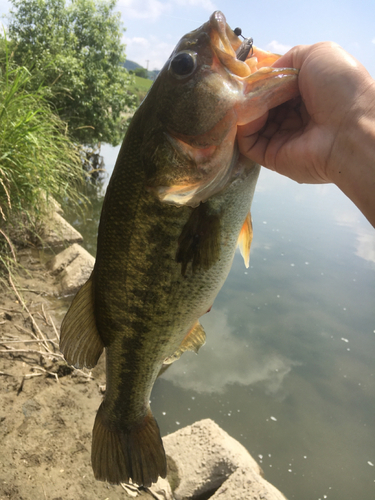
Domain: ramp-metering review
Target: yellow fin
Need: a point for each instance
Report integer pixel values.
(199, 242)
(193, 341)
(245, 238)
(80, 341)
(120, 453)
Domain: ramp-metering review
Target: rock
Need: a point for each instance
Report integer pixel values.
(74, 266)
(64, 258)
(209, 460)
(161, 490)
(57, 231)
(246, 484)
(49, 203)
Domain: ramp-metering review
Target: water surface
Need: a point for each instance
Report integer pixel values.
(289, 364)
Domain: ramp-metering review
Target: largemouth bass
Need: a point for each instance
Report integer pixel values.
(177, 206)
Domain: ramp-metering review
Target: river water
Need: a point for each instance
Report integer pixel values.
(289, 364)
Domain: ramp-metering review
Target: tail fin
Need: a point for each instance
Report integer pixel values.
(119, 454)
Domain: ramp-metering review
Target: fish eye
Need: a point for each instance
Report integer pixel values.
(183, 64)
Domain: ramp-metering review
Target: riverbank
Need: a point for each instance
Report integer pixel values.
(47, 410)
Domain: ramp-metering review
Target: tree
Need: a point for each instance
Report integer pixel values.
(76, 50)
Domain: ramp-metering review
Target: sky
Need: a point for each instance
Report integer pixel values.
(153, 27)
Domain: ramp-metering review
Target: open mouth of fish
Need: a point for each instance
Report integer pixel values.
(241, 58)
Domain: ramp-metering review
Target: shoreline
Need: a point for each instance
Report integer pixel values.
(47, 408)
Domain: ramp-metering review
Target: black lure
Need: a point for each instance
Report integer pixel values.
(246, 46)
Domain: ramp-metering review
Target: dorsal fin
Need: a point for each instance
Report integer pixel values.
(80, 341)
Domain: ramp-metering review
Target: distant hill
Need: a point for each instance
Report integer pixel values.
(131, 66)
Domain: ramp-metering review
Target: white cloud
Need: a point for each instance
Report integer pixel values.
(277, 47)
(227, 359)
(362, 231)
(152, 49)
(203, 4)
(137, 41)
(366, 245)
(153, 9)
(373, 40)
(148, 9)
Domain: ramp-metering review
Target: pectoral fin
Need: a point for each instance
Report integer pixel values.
(80, 341)
(245, 238)
(193, 341)
(199, 242)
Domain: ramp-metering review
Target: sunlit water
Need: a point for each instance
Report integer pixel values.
(289, 364)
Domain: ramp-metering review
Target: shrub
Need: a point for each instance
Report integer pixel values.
(38, 159)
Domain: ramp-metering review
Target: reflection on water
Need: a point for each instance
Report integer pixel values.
(240, 362)
(366, 244)
(288, 368)
(365, 236)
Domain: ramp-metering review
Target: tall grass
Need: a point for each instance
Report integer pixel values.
(37, 158)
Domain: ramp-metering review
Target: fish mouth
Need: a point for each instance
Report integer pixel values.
(225, 43)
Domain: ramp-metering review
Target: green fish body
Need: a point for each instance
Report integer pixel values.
(177, 206)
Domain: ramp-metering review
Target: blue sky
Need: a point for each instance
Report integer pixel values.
(153, 27)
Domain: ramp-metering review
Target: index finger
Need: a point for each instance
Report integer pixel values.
(293, 58)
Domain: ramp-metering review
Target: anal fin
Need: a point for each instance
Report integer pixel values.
(193, 341)
(80, 341)
(245, 238)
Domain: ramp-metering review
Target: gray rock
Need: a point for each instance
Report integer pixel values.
(56, 231)
(161, 490)
(73, 267)
(209, 460)
(66, 257)
(247, 484)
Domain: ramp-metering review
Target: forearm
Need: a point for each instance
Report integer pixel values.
(353, 165)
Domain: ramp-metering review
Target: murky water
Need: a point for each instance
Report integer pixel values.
(289, 364)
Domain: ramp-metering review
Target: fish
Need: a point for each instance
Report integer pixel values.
(176, 208)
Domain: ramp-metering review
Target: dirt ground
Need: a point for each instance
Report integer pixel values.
(46, 409)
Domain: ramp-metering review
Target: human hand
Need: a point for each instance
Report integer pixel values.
(309, 139)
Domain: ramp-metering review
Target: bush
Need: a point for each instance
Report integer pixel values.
(38, 159)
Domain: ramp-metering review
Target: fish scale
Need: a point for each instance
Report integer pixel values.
(182, 296)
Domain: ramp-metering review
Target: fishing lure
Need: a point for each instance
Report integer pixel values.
(245, 48)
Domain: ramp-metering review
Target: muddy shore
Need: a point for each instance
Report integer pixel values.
(46, 409)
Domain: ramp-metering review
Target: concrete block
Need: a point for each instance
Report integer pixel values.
(73, 267)
(207, 458)
(57, 231)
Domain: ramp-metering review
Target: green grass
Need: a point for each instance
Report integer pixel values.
(140, 87)
(142, 83)
(37, 157)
